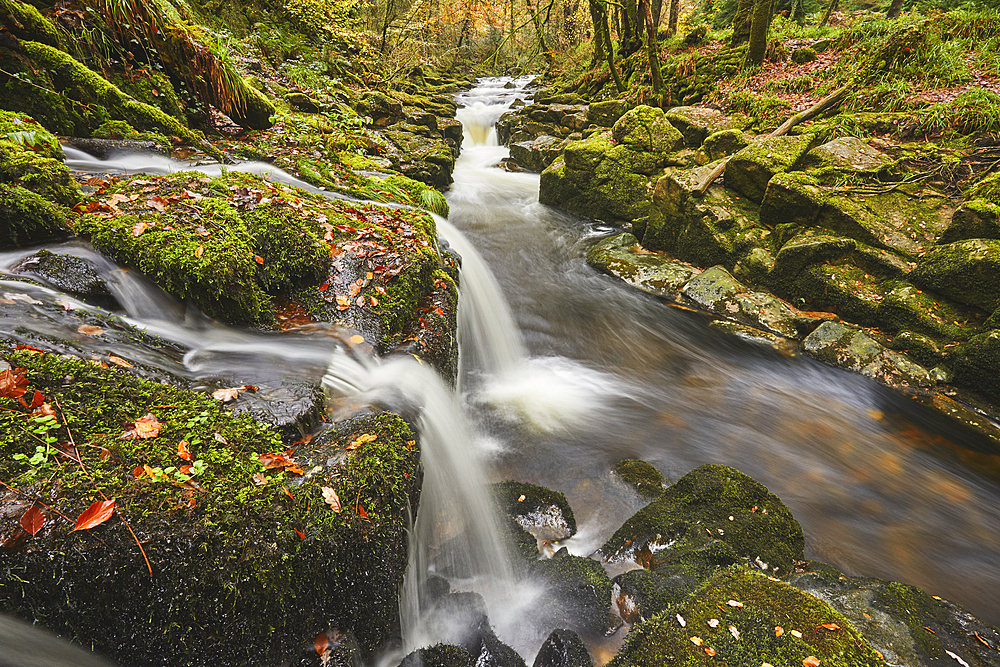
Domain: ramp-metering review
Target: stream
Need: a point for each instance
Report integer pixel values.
(572, 371)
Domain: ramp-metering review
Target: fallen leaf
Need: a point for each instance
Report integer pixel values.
(90, 330)
(323, 287)
(734, 603)
(13, 383)
(183, 451)
(362, 512)
(138, 228)
(357, 339)
(287, 492)
(186, 469)
(696, 641)
(680, 619)
(258, 259)
(157, 202)
(36, 400)
(709, 650)
(272, 461)
(118, 361)
(362, 439)
(304, 440)
(373, 301)
(228, 394)
(330, 498)
(199, 251)
(43, 410)
(218, 437)
(298, 532)
(143, 428)
(360, 301)
(778, 631)
(811, 661)
(713, 622)
(829, 626)
(138, 471)
(734, 632)
(322, 641)
(33, 520)
(294, 470)
(99, 512)
(259, 479)
(955, 656)
(796, 634)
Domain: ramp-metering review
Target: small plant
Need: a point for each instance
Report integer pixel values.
(42, 426)
(172, 474)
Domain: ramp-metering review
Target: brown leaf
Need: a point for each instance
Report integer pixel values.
(95, 515)
(357, 339)
(362, 512)
(33, 520)
(360, 301)
(709, 650)
(157, 202)
(118, 361)
(143, 428)
(259, 479)
(829, 626)
(13, 383)
(183, 451)
(330, 498)
(90, 330)
(322, 641)
(138, 228)
(272, 461)
(37, 400)
(294, 470)
(362, 439)
(287, 492)
(221, 439)
(229, 393)
(258, 259)
(811, 661)
(199, 251)
(298, 532)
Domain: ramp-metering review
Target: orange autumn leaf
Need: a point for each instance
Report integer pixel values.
(811, 661)
(331, 498)
(13, 383)
(272, 461)
(294, 470)
(362, 512)
(36, 400)
(322, 642)
(90, 330)
(298, 532)
(183, 451)
(258, 259)
(143, 428)
(186, 469)
(95, 515)
(33, 520)
(829, 626)
(287, 492)
(362, 439)
(199, 251)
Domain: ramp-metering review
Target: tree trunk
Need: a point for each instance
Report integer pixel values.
(829, 10)
(631, 34)
(600, 21)
(675, 12)
(758, 33)
(741, 23)
(656, 7)
(385, 24)
(894, 9)
(654, 61)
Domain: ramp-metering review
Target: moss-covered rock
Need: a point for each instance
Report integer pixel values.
(439, 655)
(46, 176)
(910, 308)
(542, 512)
(710, 504)
(792, 198)
(27, 218)
(904, 624)
(987, 188)
(977, 363)
(850, 348)
(28, 133)
(250, 571)
(623, 257)
(563, 648)
(537, 154)
(750, 169)
(641, 594)
(646, 129)
(74, 275)
(803, 55)
(697, 123)
(641, 476)
(716, 289)
(606, 113)
(967, 271)
(578, 592)
(724, 143)
(740, 617)
(975, 219)
(847, 154)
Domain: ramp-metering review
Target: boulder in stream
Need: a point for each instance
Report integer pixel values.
(656, 273)
(563, 648)
(542, 512)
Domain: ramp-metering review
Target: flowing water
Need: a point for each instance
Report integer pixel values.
(568, 372)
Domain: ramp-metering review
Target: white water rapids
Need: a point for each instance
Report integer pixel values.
(564, 372)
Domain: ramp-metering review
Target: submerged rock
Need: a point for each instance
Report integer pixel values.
(542, 512)
(641, 476)
(67, 273)
(712, 516)
(562, 648)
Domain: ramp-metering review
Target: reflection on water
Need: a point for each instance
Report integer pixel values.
(855, 462)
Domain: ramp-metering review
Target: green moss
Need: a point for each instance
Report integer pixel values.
(803, 55)
(29, 133)
(987, 188)
(26, 22)
(46, 176)
(641, 594)
(642, 476)
(536, 508)
(152, 88)
(578, 592)
(696, 511)
(26, 218)
(241, 571)
(120, 129)
(746, 634)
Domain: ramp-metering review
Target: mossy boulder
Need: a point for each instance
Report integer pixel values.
(46, 176)
(847, 154)
(966, 271)
(907, 307)
(724, 143)
(27, 218)
(646, 129)
(987, 188)
(606, 113)
(542, 512)
(803, 55)
(975, 219)
(563, 648)
(741, 617)
(382, 109)
(793, 198)
(849, 347)
(641, 476)
(906, 625)
(247, 564)
(977, 363)
(28, 133)
(439, 655)
(749, 170)
(537, 154)
(697, 123)
(716, 289)
(623, 257)
(577, 592)
(424, 155)
(641, 594)
(711, 504)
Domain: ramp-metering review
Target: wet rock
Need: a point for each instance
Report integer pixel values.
(606, 113)
(622, 257)
(104, 148)
(711, 515)
(293, 408)
(850, 348)
(724, 143)
(641, 476)
(424, 155)
(382, 109)
(745, 617)
(537, 154)
(749, 334)
(923, 349)
(755, 266)
(967, 271)
(696, 123)
(67, 273)
(847, 154)
(975, 219)
(439, 655)
(646, 129)
(641, 594)
(542, 512)
(460, 619)
(450, 129)
(749, 170)
(717, 290)
(903, 623)
(578, 592)
(563, 648)
(906, 307)
(977, 363)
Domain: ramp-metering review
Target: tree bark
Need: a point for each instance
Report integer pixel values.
(631, 34)
(758, 33)
(654, 60)
(895, 9)
(829, 11)
(675, 11)
(741, 23)
(600, 21)
(656, 8)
